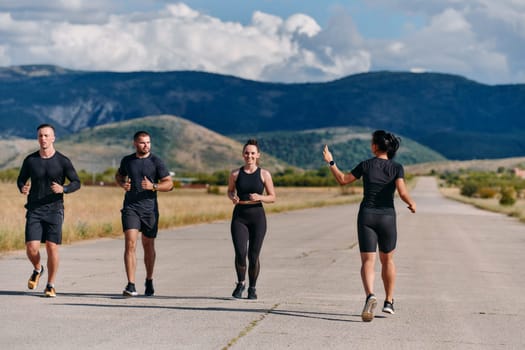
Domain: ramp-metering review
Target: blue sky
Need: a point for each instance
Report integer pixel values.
(270, 40)
(373, 21)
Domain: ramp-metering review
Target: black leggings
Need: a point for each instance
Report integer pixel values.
(248, 228)
(376, 229)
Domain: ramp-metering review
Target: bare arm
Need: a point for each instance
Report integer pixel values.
(404, 195)
(232, 193)
(340, 177)
(123, 181)
(268, 185)
(165, 184)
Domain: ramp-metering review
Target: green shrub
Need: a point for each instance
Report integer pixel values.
(508, 196)
(469, 189)
(9, 175)
(487, 192)
(214, 190)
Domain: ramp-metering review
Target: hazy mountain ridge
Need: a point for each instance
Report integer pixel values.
(348, 145)
(456, 117)
(183, 145)
(188, 147)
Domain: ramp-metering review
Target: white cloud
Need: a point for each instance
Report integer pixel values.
(302, 24)
(447, 44)
(481, 39)
(450, 21)
(180, 38)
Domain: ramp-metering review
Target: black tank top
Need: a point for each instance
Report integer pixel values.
(248, 183)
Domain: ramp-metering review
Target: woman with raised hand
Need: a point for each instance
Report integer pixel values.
(376, 222)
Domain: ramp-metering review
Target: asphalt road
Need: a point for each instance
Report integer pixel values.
(460, 286)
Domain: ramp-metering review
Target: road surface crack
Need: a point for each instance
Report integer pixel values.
(250, 327)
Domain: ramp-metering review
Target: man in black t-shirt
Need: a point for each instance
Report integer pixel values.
(141, 175)
(48, 170)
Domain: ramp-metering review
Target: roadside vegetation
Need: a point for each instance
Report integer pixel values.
(499, 191)
(287, 177)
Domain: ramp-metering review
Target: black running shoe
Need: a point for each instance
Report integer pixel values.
(368, 311)
(388, 307)
(237, 292)
(149, 288)
(251, 293)
(35, 277)
(130, 290)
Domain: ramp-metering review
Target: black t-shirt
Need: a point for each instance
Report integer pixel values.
(379, 181)
(43, 172)
(151, 167)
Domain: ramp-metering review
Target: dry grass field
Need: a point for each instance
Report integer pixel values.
(94, 212)
(492, 204)
(452, 166)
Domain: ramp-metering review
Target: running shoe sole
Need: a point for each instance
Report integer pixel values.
(388, 308)
(368, 311)
(237, 292)
(129, 294)
(32, 283)
(50, 293)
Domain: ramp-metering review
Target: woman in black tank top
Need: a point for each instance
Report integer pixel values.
(376, 222)
(246, 189)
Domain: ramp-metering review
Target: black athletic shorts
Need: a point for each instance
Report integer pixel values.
(145, 222)
(44, 224)
(376, 227)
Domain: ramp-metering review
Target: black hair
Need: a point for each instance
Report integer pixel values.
(251, 142)
(140, 134)
(386, 142)
(45, 125)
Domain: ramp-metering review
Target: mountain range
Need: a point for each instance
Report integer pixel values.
(187, 147)
(456, 117)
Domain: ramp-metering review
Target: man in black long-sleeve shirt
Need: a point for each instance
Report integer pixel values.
(47, 170)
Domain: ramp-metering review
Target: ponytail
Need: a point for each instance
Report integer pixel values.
(386, 142)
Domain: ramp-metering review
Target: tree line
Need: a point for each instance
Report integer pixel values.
(289, 177)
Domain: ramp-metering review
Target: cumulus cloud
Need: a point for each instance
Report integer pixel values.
(446, 44)
(477, 39)
(480, 39)
(180, 38)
